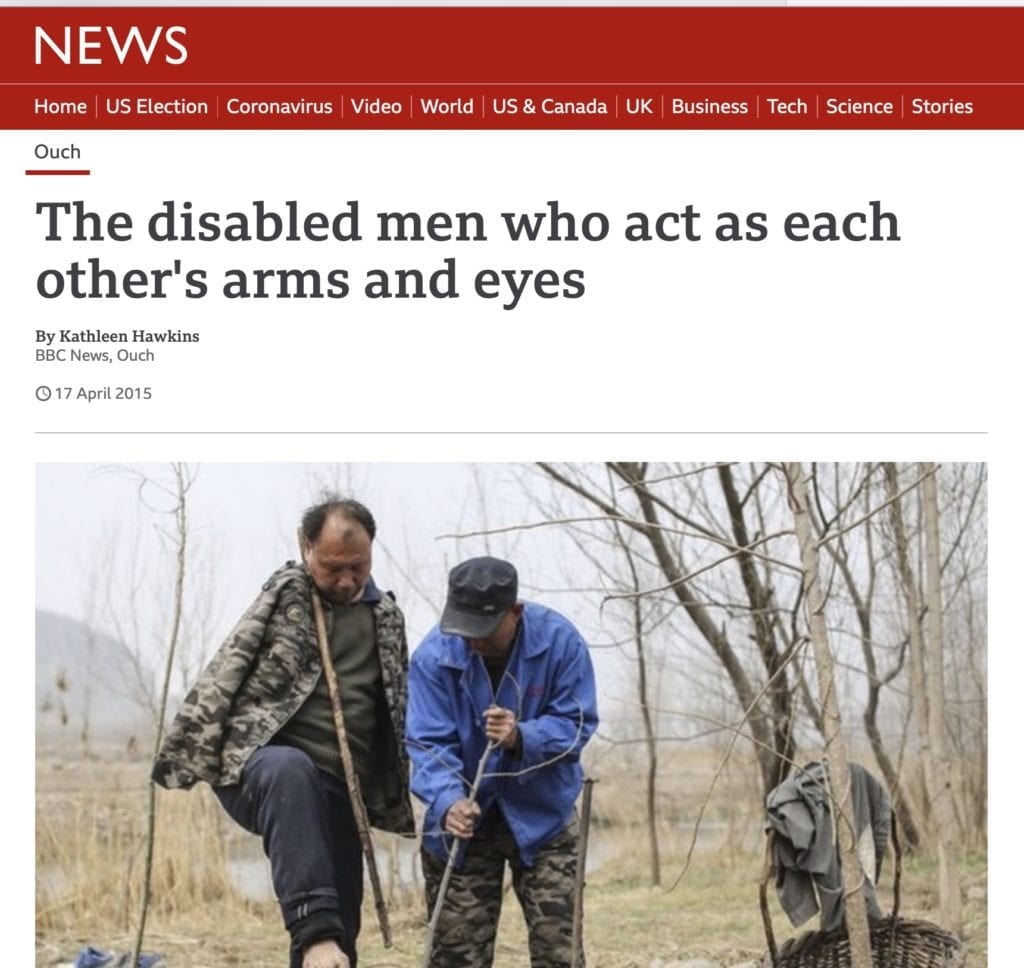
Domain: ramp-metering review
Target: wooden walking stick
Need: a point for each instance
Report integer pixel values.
(351, 779)
(453, 851)
(581, 875)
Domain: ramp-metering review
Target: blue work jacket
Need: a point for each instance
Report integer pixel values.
(548, 683)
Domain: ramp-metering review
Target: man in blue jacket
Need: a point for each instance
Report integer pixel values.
(512, 680)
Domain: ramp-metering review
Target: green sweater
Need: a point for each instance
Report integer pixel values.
(357, 667)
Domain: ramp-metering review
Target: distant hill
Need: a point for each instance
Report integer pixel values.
(77, 670)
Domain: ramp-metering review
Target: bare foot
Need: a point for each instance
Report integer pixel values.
(324, 954)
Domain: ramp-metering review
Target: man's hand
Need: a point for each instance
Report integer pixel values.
(460, 819)
(500, 726)
(324, 954)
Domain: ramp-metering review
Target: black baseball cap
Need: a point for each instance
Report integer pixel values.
(480, 592)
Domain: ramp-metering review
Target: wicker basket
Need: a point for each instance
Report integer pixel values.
(913, 944)
(895, 942)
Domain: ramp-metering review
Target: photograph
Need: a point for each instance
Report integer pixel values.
(622, 714)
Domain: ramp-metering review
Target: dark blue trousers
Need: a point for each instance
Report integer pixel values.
(309, 834)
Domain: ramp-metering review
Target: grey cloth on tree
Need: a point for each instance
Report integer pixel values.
(805, 853)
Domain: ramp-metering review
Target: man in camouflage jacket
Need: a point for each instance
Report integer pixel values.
(257, 727)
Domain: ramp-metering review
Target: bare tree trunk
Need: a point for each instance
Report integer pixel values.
(649, 737)
(941, 794)
(862, 605)
(980, 777)
(182, 483)
(650, 740)
(713, 635)
(780, 691)
(855, 905)
(652, 768)
(918, 686)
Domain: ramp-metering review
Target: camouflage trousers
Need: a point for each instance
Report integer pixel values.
(469, 920)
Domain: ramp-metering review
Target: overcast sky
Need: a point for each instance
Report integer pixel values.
(242, 518)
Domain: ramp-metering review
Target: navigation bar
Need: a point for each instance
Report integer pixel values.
(516, 107)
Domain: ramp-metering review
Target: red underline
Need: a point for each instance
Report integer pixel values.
(55, 171)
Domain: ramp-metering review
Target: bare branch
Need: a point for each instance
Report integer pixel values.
(874, 511)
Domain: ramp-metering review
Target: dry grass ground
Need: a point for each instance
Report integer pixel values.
(89, 830)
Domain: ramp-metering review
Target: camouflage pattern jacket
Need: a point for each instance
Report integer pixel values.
(260, 677)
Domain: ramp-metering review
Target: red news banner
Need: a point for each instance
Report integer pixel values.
(512, 68)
